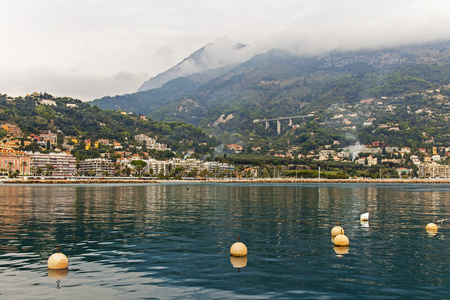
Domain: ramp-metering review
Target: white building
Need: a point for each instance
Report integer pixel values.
(97, 166)
(151, 143)
(157, 167)
(436, 158)
(371, 161)
(434, 170)
(53, 164)
(415, 159)
(212, 166)
(47, 102)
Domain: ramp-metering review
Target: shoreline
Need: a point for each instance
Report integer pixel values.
(256, 180)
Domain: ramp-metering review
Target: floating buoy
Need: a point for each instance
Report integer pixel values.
(364, 217)
(337, 230)
(431, 227)
(238, 249)
(341, 240)
(58, 260)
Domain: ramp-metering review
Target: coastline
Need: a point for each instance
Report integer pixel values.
(211, 180)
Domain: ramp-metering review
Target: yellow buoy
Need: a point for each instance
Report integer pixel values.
(58, 260)
(431, 227)
(341, 240)
(238, 249)
(337, 230)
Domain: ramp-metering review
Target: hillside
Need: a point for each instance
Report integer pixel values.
(73, 119)
(278, 83)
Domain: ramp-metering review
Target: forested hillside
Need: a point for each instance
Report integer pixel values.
(279, 83)
(71, 117)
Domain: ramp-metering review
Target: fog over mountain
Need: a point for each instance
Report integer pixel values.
(280, 81)
(89, 49)
(209, 57)
(314, 29)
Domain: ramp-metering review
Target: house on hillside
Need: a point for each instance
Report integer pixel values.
(367, 101)
(117, 145)
(346, 122)
(371, 161)
(49, 136)
(249, 173)
(403, 172)
(405, 149)
(436, 158)
(13, 130)
(47, 102)
(235, 148)
(415, 159)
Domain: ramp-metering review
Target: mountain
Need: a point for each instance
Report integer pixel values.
(224, 101)
(209, 57)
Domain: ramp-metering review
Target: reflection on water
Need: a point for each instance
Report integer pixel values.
(238, 262)
(173, 241)
(340, 251)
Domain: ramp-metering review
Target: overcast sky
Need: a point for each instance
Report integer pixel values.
(88, 49)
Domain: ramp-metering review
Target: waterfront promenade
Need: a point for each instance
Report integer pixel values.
(134, 180)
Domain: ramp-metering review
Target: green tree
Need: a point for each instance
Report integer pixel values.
(138, 165)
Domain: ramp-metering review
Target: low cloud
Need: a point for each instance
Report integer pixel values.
(355, 25)
(77, 49)
(74, 84)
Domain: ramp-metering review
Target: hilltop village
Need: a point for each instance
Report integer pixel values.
(386, 147)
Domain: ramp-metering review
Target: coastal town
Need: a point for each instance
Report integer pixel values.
(62, 164)
(52, 161)
(345, 141)
(225, 150)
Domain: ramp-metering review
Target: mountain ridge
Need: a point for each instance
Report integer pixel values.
(278, 82)
(202, 60)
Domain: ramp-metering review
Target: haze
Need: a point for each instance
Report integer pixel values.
(90, 49)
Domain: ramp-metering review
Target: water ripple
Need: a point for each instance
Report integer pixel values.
(161, 242)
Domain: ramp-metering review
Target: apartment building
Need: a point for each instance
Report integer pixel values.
(13, 130)
(97, 167)
(52, 164)
(434, 170)
(151, 143)
(12, 161)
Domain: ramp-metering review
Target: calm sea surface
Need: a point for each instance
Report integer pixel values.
(172, 241)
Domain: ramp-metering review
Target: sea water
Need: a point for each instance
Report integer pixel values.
(172, 241)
